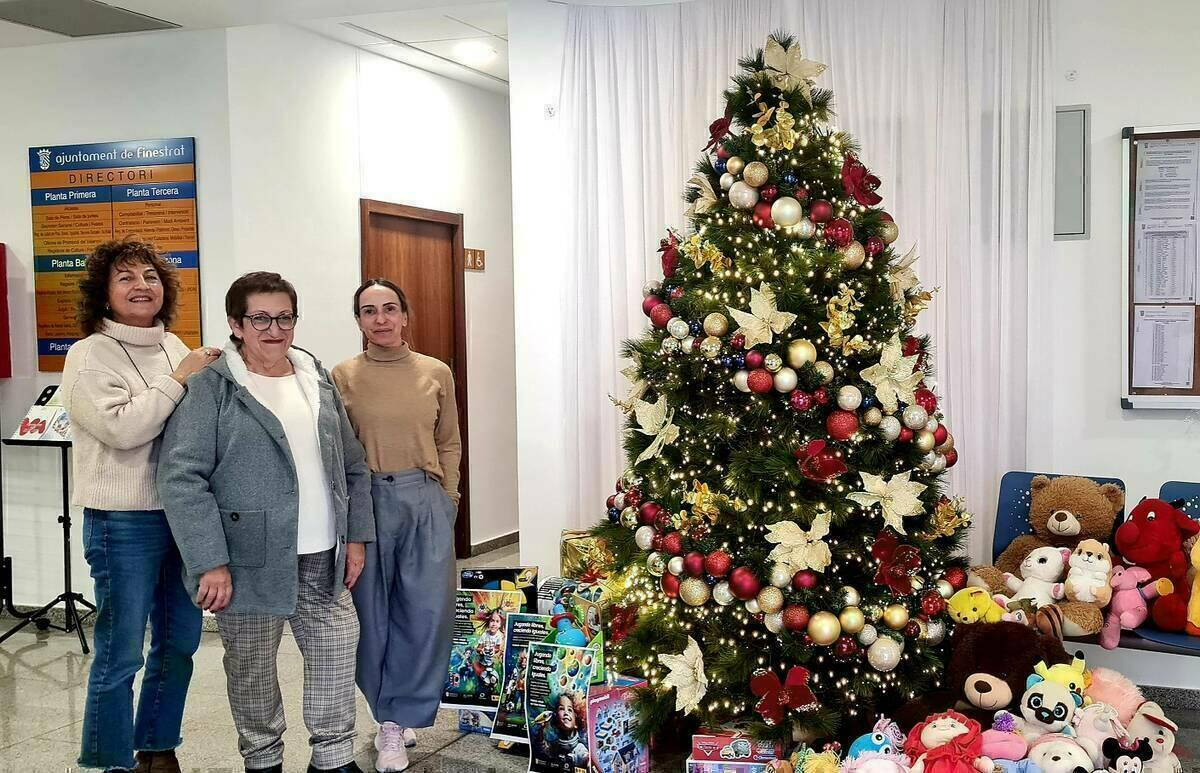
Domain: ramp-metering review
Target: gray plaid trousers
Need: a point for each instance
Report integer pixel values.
(326, 631)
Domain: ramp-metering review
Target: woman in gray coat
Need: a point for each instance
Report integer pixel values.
(260, 462)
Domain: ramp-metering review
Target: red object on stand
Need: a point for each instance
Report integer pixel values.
(5, 327)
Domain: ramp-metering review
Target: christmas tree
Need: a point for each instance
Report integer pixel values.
(781, 549)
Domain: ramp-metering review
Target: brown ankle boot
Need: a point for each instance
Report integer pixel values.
(157, 762)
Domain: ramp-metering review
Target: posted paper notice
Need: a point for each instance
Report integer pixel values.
(1164, 263)
(1168, 173)
(1163, 346)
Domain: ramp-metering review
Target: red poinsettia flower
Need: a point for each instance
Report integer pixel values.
(622, 620)
(819, 462)
(719, 130)
(776, 697)
(897, 562)
(859, 182)
(669, 248)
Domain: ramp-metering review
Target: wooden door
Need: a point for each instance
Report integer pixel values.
(422, 251)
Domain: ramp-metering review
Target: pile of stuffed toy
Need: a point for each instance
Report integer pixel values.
(1015, 702)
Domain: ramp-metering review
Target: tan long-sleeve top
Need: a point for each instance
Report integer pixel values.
(402, 406)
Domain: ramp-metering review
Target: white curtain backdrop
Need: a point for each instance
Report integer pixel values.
(950, 101)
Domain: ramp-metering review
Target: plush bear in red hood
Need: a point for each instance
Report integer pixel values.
(1152, 537)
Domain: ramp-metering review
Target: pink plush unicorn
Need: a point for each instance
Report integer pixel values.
(1132, 590)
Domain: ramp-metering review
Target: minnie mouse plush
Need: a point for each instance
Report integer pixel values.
(1127, 757)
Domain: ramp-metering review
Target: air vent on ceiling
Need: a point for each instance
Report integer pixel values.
(78, 18)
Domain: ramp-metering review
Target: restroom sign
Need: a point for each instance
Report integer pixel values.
(474, 259)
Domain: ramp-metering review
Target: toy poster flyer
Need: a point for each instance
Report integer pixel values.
(46, 419)
(522, 578)
(575, 616)
(521, 631)
(556, 707)
(477, 649)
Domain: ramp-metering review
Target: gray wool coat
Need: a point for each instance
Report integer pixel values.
(229, 488)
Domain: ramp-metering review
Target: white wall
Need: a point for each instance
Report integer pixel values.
(285, 142)
(1135, 65)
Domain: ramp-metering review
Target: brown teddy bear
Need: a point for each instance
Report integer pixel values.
(1063, 512)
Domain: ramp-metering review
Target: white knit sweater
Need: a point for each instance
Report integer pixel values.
(119, 393)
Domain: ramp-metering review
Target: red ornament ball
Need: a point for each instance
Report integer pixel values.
(912, 345)
(760, 381)
(805, 579)
(956, 576)
(670, 585)
(754, 358)
(801, 193)
(724, 153)
(744, 584)
(926, 399)
(648, 513)
(718, 563)
(807, 640)
(696, 341)
(821, 211)
(611, 501)
(737, 342)
(673, 543)
(649, 303)
(932, 604)
(633, 497)
(693, 564)
(913, 629)
(676, 293)
(800, 401)
(795, 617)
(887, 217)
(762, 214)
(841, 425)
(657, 543)
(873, 245)
(845, 647)
(768, 193)
(662, 522)
(660, 315)
(839, 232)
(821, 395)
(906, 435)
(939, 435)
(951, 458)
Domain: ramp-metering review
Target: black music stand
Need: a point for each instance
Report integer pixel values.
(70, 600)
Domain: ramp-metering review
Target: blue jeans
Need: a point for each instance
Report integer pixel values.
(138, 575)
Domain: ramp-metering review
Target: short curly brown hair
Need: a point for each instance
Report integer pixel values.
(93, 288)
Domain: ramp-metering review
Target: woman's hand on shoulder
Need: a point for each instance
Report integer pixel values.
(195, 361)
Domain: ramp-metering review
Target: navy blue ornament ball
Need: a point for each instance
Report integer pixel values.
(695, 327)
(739, 360)
(789, 178)
(614, 514)
(869, 401)
(719, 167)
(727, 361)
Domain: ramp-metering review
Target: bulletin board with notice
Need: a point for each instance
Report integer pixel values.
(83, 195)
(1161, 206)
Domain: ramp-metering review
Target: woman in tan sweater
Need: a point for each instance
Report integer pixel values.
(402, 406)
(121, 383)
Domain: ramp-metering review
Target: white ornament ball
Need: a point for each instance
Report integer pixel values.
(884, 654)
(651, 287)
(734, 165)
(872, 417)
(722, 594)
(687, 344)
(774, 622)
(824, 370)
(786, 380)
(740, 380)
(644, 537)
(656, 564)
(938, 466)
(850, 596)
(752, 607)
(806, 229)
(781, 575)
(868, 635)
(890, 427)
(935, 631)
(678, 328)
(743, 196)
(932, 424)
(727, 181)
(849, 398)
(945, 589)
(670, 345)
(915, 417)
(787, 212)
(675, 565)
(619, 501)
(755, 173)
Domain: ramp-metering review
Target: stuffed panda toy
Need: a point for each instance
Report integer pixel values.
(1046, 707)
(1127, 757)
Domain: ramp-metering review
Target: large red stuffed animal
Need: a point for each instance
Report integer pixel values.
(1152, 538)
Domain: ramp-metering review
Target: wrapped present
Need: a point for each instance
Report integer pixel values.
(727, 745)
(709, 766)
(583, 556)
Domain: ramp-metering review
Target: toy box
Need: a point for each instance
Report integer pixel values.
(722, 745)
(611, 722)
(708, 766)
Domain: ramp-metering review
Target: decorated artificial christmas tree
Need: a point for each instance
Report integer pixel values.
(781, 546)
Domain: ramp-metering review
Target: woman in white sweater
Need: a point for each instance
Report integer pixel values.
(121, 384)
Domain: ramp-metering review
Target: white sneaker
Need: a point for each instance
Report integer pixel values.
(389, 742)
(410, 738)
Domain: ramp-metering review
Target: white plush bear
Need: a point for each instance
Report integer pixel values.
(1057, 753)
(1151, 723)
(1041, 577)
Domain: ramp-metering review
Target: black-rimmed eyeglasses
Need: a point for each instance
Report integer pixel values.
(263, 322)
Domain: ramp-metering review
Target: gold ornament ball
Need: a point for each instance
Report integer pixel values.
(852, 620)
(787, 212)
(710, 347)
(924, 441)
(773, 362)
(896, 616)
(946, 445)
(853, 255)
(888, 230)
(734, 165)
(824, 628)
(694, 592)
(872, 417)
(873, 612)
(716, 324)
(755, 173)
(825, 371)
(770, 599)
(800, 352)
(629, 517)
(850, 596)
(945, 589)
(670, 345)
